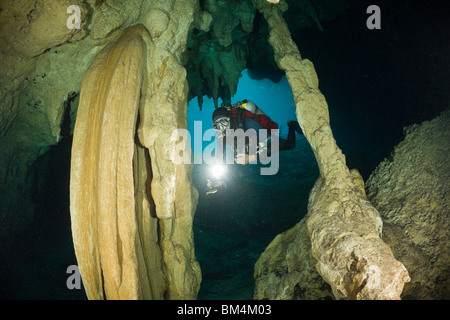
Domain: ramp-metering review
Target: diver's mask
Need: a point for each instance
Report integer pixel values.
(221, 124)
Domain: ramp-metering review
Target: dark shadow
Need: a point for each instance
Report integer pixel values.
(38, 258)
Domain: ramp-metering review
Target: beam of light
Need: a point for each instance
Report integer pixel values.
(218, 171)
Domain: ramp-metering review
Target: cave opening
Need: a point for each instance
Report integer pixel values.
(233, 225)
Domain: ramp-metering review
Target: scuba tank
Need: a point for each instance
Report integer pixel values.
(248, 109)
(252, 107)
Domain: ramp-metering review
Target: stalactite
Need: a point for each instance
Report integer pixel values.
(102, 192)
(131, 205)
(344, 227)
(162, 110)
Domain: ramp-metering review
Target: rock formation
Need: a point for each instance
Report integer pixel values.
(344, 227)
(287, 271)
(35, 83)
(43, 62)
(411, 190)
(413, 204)
(230, 36)
(131, 248)
(102, 192)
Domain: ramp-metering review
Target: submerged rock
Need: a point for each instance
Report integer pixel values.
(342, 224)
(411, 190)
(286, 269)
(208, 43)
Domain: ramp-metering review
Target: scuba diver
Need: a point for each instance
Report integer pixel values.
(246, 115)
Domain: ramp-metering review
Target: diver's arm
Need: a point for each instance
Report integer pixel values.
(269, 149)
(244, 158)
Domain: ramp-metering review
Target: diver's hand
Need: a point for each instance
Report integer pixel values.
(245, 159)
(242, 158)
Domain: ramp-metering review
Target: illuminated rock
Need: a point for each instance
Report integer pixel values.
(131, 206)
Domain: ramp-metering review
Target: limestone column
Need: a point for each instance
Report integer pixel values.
(132, 205)
(344, 227)
(163, 110)
(101, 186)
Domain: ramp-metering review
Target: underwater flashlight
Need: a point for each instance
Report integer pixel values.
(218, 171)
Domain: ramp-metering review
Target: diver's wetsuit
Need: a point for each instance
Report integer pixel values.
(289, 143)
(284, 144)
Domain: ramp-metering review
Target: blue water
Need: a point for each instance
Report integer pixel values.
(233, 226)
(275, 99)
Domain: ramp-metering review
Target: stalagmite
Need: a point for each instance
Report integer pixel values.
(131, 205)
(344, 227)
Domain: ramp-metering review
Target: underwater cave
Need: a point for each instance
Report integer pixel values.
(358, 209)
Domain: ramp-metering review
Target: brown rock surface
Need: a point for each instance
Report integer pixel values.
(135, 245)
(31, 27)
(102, 192)
(411, 190)
(286, 270)
(121, 253)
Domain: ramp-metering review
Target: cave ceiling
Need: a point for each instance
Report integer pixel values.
(230, 36)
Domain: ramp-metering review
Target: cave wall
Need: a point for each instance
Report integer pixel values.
(411, 191)
(42, 67)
